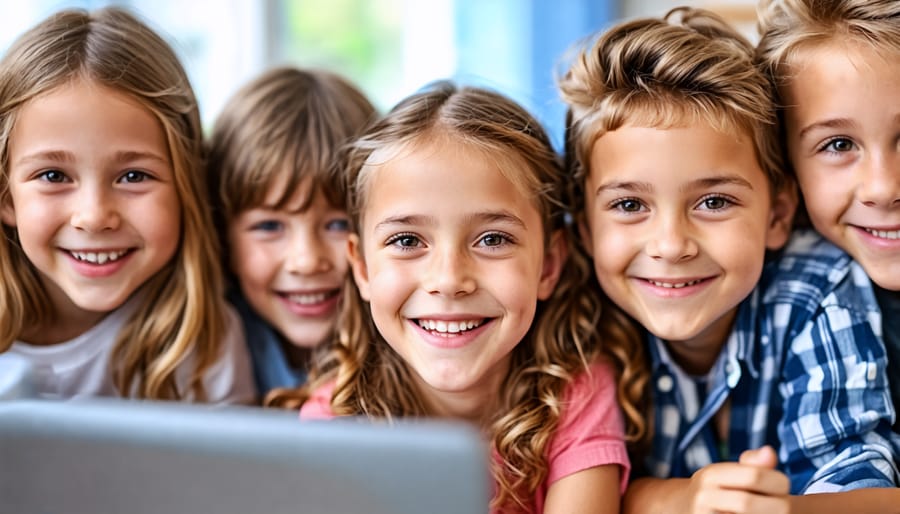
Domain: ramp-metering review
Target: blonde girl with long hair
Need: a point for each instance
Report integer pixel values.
(468, 301)
(110, 280)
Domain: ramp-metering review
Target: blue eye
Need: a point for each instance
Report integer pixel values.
(267, 226)
(54, 176)
(493, 239)
(715, 203)
(839, 145)
(338, 225)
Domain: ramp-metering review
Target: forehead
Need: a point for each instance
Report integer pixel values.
(447, 179)
(83, 119)
(841, 76)
(674, 156)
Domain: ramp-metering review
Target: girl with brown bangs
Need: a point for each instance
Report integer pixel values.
(280, 206)
(468, 302)
(110, 280)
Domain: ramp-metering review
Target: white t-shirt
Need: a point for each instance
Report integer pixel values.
(80, 367)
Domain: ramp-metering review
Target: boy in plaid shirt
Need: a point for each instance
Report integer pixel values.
(680, 193)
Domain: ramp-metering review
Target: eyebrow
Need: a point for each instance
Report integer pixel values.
(69, 157)
(501, 216)
(701, 183)
(829, 123)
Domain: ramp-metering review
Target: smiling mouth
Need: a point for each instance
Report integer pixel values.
(98, 257)
(450, 327)
(310, 298)
(674, 285)
(884, 234)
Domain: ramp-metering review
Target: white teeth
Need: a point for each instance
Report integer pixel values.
(449, 327)
(885, 234)
(670, 285)
(308, 299)
(99, 257)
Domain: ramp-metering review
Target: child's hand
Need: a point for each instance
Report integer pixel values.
(749, 485)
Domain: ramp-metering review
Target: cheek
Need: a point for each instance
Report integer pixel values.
(612, 246)
(251, 261)
(337, 254)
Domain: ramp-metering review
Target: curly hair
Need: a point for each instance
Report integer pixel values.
(181, 318)
(571, 328)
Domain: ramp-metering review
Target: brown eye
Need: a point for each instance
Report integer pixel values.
(54, 176)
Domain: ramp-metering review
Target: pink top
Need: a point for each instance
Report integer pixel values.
(590, 433)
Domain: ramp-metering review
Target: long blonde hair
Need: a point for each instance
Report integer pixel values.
(686, 67)
(570, 330)
(181, 313)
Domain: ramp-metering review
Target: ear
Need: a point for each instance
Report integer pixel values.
(358, 265)
(7, 211)
(554, 259)
(781, 219)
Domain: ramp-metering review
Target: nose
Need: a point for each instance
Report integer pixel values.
(307, 254)
(95, 210)
(450, 273)
(672, 240)
(880, 184)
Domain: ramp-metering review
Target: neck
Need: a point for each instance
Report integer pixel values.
(63, 327)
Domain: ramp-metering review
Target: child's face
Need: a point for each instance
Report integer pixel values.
(452, 261)
(843, 133)
(290, 265)
(93, 194)
(678, 221)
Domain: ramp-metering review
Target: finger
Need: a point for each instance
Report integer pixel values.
(740, 502)
(763, 457)
(742, 477)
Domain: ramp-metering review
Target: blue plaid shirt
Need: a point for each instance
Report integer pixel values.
(804, 370)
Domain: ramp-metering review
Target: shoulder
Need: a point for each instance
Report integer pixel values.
(812, 272)
(591, 429)
(230, 379)
(318, 406)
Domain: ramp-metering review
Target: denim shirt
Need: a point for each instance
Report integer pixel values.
(271, 368)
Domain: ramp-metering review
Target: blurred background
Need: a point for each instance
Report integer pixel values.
(389, 48)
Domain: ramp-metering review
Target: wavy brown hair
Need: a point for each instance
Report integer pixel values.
(571, 329)
(689, 66)
(181, 317)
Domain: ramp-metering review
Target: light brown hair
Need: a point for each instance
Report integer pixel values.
(689, 66)
(286, 125)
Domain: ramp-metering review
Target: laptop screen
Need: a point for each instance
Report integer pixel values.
(116, 456)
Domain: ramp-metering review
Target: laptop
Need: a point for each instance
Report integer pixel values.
(111, 456)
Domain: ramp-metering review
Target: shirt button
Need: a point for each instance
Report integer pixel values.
(664, 383)
(872, 372)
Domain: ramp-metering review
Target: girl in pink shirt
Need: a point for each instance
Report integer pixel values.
(470, 302)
